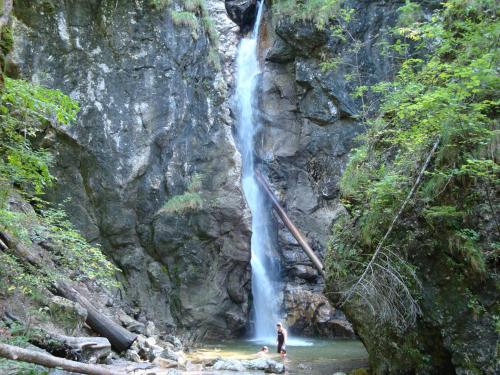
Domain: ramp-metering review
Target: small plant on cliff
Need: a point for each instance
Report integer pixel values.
(320, 12)
(160, 4)
(195, 15)
(188, 201)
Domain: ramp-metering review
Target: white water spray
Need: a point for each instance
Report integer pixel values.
(265, 295)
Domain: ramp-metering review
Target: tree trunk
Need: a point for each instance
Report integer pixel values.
(288, 223)
(81, 349)
(19, 354)
(120, 338)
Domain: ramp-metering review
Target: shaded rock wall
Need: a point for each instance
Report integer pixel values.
(153, 113)
(309, 127)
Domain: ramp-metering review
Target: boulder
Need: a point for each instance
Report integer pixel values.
(242, 12)
(150, 342)
(155, 352)
(68, 314)
(229, 364)
(265, 364)
(173, 356)
(174, 340)
(165, 363)
(132, 355)
(260, 364)
(150, 329)
(131, 324)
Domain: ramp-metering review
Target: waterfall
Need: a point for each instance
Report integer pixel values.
(264, 268)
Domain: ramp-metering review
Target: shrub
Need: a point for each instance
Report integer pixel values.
(188, 201)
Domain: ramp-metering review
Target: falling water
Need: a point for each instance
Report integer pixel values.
(264, 270)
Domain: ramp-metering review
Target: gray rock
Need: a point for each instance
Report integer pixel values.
(131, 324)
(175, 341)
(68, 314)
(132, 355)
(260, 364)
(150, 342)
(153, 113)
(170, 354)
(165, 363)
(150, 329)
(265, 364)
(154, 352)
(242, 12)
(229, 364)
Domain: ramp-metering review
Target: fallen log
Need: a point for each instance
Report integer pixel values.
(19, 354)
(81, 349)
(119, 337)
(9, 242)
(289, 224)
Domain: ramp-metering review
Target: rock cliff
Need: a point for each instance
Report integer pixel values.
(310, 124)
(154, 116)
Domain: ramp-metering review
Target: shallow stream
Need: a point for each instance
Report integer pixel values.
(313, 357)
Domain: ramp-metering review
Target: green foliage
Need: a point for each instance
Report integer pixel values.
(73, 256)
(18, 277)
(24, 109)
(16, 223)
(195, 15)
(185, 18)
(449, 94)
(160, 4)
(73, 252)
(320, 12)
(188, 201)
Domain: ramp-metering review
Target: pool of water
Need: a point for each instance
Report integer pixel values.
(305, 356)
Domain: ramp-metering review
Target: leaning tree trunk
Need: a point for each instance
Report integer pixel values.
(289, 224)
(119, 337)
(19, 354)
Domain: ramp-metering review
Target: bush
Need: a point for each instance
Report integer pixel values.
(188, 201)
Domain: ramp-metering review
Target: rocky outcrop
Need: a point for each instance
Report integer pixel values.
(242, 12)
(267, 365)
(308, 131)
(153, 115)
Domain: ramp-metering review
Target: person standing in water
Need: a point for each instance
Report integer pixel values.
(282, 337)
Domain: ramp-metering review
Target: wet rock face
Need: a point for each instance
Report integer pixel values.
(309, 128)
(242, 12)
(153, 114)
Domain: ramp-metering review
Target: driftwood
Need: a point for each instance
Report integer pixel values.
(119, 337)
(85, 349)
(19, 354)
(9, 242)
(289, 224)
